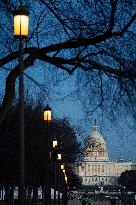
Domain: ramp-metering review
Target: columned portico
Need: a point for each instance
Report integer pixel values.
(96, 168)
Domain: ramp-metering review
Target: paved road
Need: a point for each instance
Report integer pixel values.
(74, 202)
(78, 202)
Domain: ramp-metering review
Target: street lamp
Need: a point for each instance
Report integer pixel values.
(66, 179)
(21, 22)
(54, 143)
(59, 168)
(62, 167)
(54, 157)
(47, 119)
(47, 114)
(59, 157)
(64, 171)
(65, 188)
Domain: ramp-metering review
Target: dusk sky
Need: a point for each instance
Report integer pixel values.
(56, 87)
(61, 96)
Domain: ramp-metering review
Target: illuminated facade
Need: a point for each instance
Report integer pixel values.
(96, 168)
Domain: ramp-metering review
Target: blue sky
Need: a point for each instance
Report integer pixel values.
(59, 91)
(60, 94)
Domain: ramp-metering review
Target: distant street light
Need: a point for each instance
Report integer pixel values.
(59, 157)
(65, 181)
(47, 119)
(59, 169)
(62, 167)
(54, 157)
(55, 143)
(21, 22)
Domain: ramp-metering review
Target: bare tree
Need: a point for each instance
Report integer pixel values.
(95, 40)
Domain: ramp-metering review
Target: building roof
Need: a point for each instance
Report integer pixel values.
(95, 147)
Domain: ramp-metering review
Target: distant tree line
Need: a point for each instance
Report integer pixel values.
(128, 180)
(35, 149)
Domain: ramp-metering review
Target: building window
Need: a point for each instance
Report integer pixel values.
(95, 168)
(92, 168)
(98, 168)
(89, 167)
(102, 168)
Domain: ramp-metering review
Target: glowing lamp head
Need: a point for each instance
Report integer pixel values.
(62, 167)
(47, 114)
(59, 157)
(66, 179)
(21, 22)
(55, 143)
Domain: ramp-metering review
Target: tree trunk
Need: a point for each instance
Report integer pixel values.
(29, 194)
(6, 195)
(11, 195)
(35, 195)
(43, 195)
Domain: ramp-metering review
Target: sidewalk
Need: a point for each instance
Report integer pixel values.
(78, 202)
(102, 203)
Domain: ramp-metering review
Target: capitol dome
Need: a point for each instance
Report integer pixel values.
(95, 147)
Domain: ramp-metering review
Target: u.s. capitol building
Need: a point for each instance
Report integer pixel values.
(96, 168)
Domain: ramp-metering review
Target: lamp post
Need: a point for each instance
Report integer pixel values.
(54, 143)
(55, 156)
(66, 179)
(47, 119)
(55, 153)
(63, 184)
(21, 22)
(59, 168)
(65, 188)
(62, 168)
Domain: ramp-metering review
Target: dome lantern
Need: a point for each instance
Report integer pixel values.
(95, 148)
